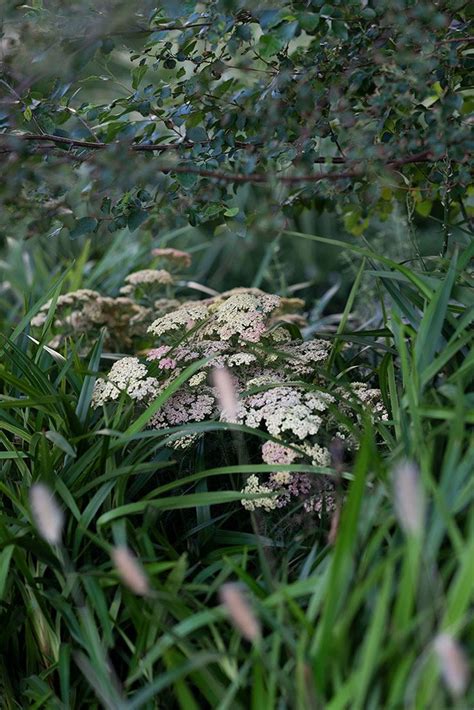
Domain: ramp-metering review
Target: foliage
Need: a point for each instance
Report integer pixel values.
(335, 625)
(238, 475)
(347, 106)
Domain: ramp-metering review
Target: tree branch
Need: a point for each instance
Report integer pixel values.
(97, 145)
(421, 157)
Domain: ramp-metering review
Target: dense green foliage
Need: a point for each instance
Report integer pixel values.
(305, 102)
(241, 134)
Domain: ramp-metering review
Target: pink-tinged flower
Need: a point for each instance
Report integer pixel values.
(182, 407)
(167, 363)
(158, 353)
(278, 454)
(173, 256)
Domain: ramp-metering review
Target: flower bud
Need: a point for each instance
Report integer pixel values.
(47, 515)
(409, 497)
(453, 664)
(239, 611)
(130, 570)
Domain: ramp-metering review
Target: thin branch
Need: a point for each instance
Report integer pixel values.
(260, 178)
(152, 30)
(422, 157)
(455, 39)
(97, 145)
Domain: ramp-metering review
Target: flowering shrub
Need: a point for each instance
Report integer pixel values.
(275, 382)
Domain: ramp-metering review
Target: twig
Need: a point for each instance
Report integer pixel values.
(97, 145)
(456, 39)
(422, 157)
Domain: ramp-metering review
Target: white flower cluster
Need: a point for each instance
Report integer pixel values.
(243, 315)
(301, 357)
(318, 455)
(146, 277)
(286, 487)
(81, 296)
(184, 318)
(281, 478)
(128, 375)
(241, 330)
(198, 379)
(371, 398)
(285, 409)
(239, 359)
(253, 487)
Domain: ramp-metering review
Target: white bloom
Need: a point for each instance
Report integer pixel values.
(127, 374)
(283, 409)
(253, 486)
(372, 398)
(149, 276)
(238, 359)
(183, 318)
(243, 315)
(281, 478)
(197, 379)
(319, 455)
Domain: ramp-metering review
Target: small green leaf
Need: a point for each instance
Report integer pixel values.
(137, 75)
(269, 45)
(85, 225)
(136, 218)
(186, 180)
(196, 134)
(424, 208)
(231, 212)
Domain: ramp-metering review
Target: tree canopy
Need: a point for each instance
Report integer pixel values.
(156, 113)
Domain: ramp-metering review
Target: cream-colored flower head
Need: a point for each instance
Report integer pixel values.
(129, 375)
(181, 259)
(182, 319)
(149, 276)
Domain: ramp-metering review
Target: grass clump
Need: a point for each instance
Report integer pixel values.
(130, 572)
